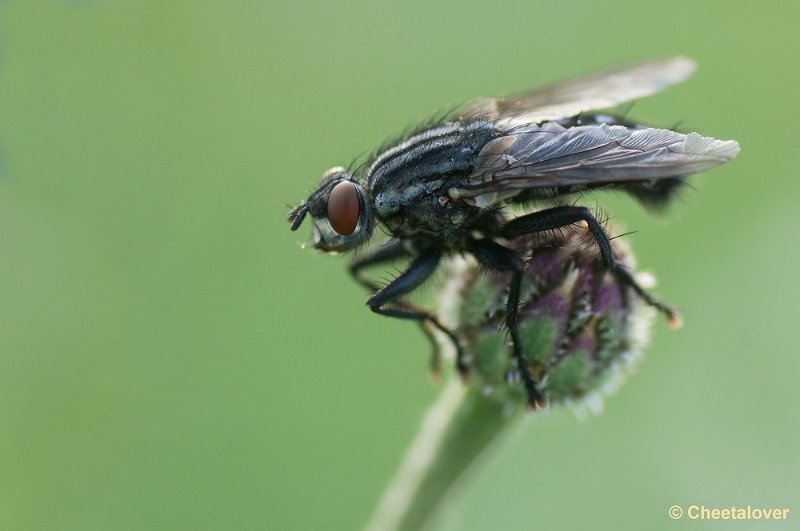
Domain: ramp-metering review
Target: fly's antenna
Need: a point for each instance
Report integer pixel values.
(297, 215)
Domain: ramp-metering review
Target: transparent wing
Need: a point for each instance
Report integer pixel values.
(600, 90)
(551, 155)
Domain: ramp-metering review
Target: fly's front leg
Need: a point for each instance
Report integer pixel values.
(496, 256)
(558, 217)
(386, 300)
(394, 250)
(381, 254)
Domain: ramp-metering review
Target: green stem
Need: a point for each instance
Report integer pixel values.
(456, 429)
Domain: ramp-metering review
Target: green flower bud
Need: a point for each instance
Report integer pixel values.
(580, 331)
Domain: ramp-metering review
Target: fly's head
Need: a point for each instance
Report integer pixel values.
(340, 213)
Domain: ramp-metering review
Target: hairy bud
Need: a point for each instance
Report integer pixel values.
(580, 331)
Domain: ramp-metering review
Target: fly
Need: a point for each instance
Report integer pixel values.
(446, 188)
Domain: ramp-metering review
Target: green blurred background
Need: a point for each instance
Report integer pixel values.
(171, 359)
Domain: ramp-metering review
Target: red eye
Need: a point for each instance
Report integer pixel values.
(343, 208)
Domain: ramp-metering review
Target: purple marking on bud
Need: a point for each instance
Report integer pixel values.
(551, 304)
(609, 298)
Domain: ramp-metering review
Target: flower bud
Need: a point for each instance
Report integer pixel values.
(580, 331)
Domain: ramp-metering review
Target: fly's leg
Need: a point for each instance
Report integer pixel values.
(496, 256)
(435, 364)
(420, 269)
(558, 217)
(381, 254)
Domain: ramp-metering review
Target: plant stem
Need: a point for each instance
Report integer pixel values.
(455, 430)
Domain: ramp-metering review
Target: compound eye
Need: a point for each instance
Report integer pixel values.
(344, 208)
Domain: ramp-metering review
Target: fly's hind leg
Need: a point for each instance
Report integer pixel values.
(494, 255)
(558, 217)
(419, 270)
(435, 364)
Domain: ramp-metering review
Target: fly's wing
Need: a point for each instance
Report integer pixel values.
(552, 156)
(600, 90)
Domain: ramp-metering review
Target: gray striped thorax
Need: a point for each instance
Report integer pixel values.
(422, 166)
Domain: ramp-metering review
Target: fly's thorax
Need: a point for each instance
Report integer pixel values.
(428, 154)
(579, 331)
(429, 212)
(408, 181)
